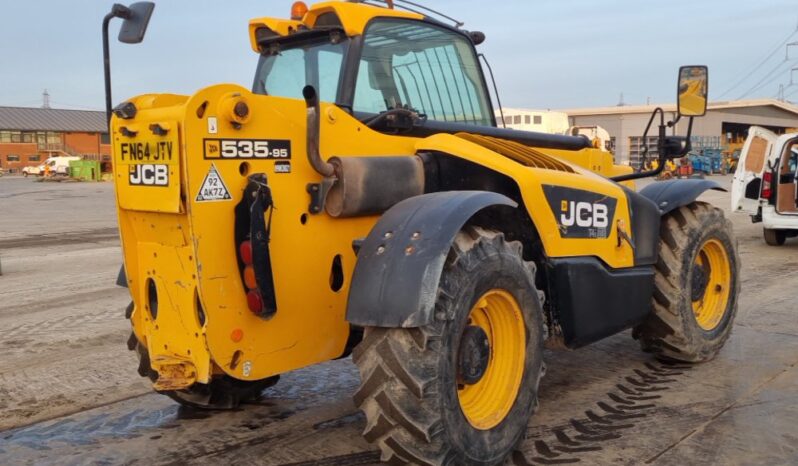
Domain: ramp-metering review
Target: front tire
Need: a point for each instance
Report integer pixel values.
(461, 389)
(775, 237)
(697, 281)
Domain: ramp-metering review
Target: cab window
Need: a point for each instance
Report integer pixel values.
(287, 72)
(423, 67)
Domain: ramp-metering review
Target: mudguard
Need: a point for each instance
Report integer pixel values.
(399, 264)
(121, 278)
(672, 194)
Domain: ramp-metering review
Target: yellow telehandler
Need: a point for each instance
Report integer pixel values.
(360, 199)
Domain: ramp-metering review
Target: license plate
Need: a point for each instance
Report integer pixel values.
(147, 149)
(147, 167)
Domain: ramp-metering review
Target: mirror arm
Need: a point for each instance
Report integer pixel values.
(117, 11)
(687, 145)
(121, 11)
(660, 143)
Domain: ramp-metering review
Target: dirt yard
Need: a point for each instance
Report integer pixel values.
(70, 394)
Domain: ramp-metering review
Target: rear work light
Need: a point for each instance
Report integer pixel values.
(767, 185)
(245, 250)
(252, 225)
(254, 301)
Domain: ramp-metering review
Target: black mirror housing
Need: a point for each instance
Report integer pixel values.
(136, 21)
(675, 147)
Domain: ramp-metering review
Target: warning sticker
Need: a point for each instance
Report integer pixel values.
(213, 188)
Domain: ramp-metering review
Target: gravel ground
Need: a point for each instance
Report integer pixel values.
(69, 392)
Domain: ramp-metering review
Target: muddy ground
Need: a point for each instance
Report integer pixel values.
(69, 392)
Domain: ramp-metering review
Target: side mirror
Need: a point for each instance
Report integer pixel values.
(692, 93)
(137, 17)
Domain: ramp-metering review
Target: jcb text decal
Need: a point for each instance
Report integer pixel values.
(279, 149)
(149, 175)
(581, 214)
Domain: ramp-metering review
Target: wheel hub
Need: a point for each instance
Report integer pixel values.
(474, 355)
(711, 284)
(699, 281)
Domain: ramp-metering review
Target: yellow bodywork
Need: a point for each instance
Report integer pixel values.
(354, 17)
(187, 248)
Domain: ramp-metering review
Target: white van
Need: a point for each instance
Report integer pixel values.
(58, 166)
(765, 184)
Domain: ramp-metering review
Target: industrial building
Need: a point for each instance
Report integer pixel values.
(29, 135)
(723, 127)
(543, 121)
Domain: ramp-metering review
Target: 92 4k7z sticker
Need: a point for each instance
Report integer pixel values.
(220, 149)
(579, 213)
(213, 187)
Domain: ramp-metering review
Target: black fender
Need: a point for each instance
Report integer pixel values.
(399, 264)
(671, 194)
(121, 279)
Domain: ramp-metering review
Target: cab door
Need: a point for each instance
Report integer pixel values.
(754, 161)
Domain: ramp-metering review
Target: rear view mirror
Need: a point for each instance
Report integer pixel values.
(692, 97)
(136, 20)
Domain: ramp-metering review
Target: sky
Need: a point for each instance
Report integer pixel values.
(544, 53)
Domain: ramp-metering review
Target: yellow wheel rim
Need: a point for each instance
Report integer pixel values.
(488, 401)
(710, 305)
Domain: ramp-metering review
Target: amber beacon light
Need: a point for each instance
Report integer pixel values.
(298, 10)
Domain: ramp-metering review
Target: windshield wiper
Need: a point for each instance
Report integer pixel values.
(272, 44)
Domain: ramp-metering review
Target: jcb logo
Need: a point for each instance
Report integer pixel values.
(584, 214)
(149, 175)
(580, 213)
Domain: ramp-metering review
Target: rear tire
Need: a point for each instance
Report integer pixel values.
(775, 237)
(696, 285)
(222, 393)
(412, 387)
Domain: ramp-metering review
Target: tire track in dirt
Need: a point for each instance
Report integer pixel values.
(283, 415)
(634, 398)
(73, 237)
(63, 324)
(304, 420)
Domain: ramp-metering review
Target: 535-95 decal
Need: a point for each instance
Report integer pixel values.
(279, 149)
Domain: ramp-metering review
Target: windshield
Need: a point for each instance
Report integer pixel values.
(427, 68)
(317, 63)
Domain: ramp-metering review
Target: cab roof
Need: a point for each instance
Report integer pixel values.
(350, 16)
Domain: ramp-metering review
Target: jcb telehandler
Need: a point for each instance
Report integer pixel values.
(361, 199)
